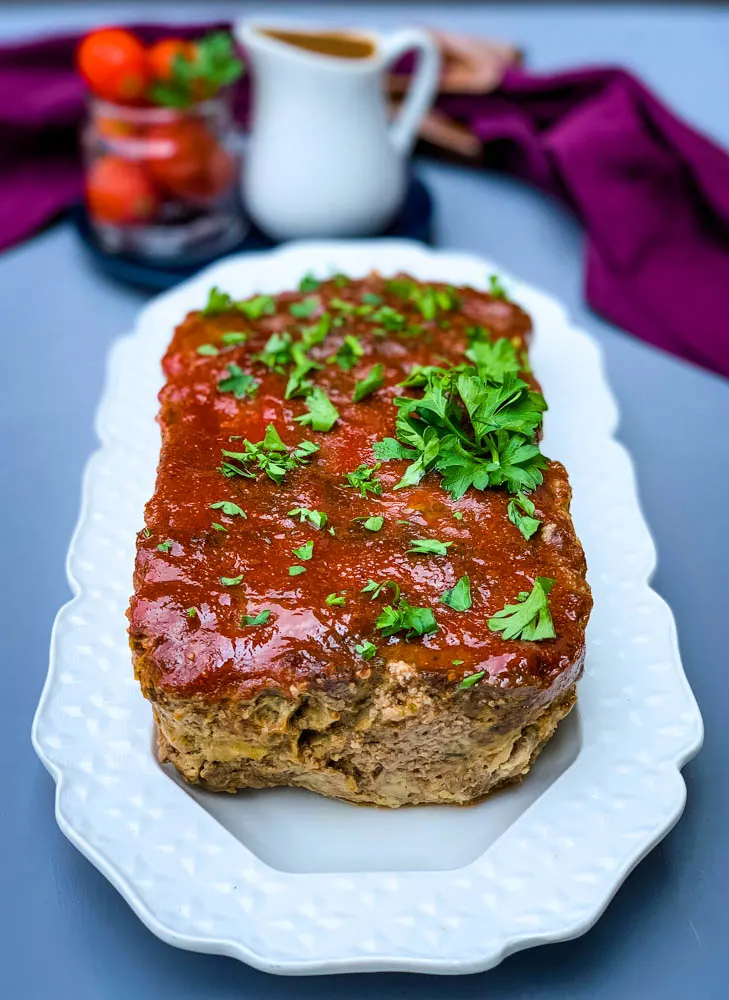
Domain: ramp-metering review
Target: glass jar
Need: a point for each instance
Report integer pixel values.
(163, 182)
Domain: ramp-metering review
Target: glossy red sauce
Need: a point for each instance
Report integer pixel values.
(305, 640)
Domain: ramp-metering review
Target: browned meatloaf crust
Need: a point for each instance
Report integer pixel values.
(314, 693)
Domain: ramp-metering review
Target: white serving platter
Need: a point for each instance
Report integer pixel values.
(294, 883)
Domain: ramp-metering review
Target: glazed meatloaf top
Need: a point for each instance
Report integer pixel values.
(282, 549)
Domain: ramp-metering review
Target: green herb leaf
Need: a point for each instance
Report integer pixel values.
(335, 600)
(348, 354)
(366, 649)
(304, 551)
(260, 619)
(229, 508)
(165, 546)
(370, 299)
(429, 547)
(206, 350)
(373, 380)
(458, 515)
(468, 682)
(305, 308)
(364, 478)
(496, 288)
(521, 511)
(404, 618)
(371, 587)
(340, 280)
(296, 570)
(373, 523)
(316, 517)
(276, 352)
(530, 618)
(270, 456)
(238, 382)
(192, 612)
(458, 597)
(258, 306)
(219, 527)
(309, 283)
(217, 303)
(234, 337)
(457, 663)
(322, 413)
(231, 581)
(316, 334)
(389, 319)
(146, 532)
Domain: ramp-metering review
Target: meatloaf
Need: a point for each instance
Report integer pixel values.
(358, 573)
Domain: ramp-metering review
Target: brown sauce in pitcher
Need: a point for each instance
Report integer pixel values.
(325, 43)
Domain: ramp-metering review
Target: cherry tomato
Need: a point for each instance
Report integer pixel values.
(161, 57)
(180, 152)
(119, 191)
(114, 65)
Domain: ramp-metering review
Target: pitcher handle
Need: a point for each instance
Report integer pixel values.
(422, 86)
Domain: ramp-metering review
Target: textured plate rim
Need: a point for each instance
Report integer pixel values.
(493, 951)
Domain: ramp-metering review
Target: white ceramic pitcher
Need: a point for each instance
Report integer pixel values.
(323, 159)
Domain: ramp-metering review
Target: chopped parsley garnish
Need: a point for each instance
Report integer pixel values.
(427, 300)
(404, 618)
(389, 318)
(373, 380)
(296, 570)
(458, 515)
(234, 337)
(366, 649)
(304, 551)
(229, 508)
(316, 334)
(305, 308)
(219, 527)
(316, 517)
(364, 478)
(218, 302)
(429, 547)
(298, 384)
(372, 523)
(309, 283)
(474, 433)
(146, 532)
(271, 456)
(521, 513)
(348, 354)
(165, 546)
(458, 597)
(530, 618)
(496, 288)
(276, 352)
(238, 382)
(207, 350)
(374, 588)
(259, 305)
(493, 359)
(457, 663)
(370, 299)
(468, 682)
(339, 279)
(231, 581)
(260, 619)
(192, 612)
(322, 414)
(335, 600)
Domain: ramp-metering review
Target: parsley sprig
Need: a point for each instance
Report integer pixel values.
(530, 618)
(240, 383)
(474, 431)
(212, 65)
(402, 617)
(270, 455)
(364, 478)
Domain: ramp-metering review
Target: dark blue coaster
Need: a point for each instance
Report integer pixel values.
(413, 222)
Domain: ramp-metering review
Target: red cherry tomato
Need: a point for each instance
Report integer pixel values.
(161, 57)
(119, 191)
(114, 65)
(180, 152)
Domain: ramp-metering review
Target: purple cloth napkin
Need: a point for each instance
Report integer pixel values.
(651, 193)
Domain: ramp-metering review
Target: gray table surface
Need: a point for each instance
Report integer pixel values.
(64, 932)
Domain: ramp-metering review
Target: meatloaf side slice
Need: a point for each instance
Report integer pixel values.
(299, 617)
